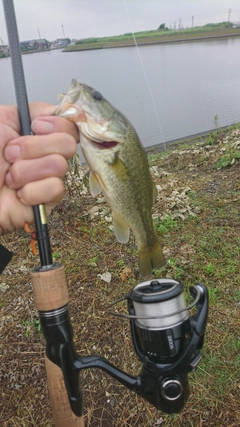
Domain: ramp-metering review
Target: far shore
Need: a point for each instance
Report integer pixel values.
(33, 51)
(144, 41)
(149, 41)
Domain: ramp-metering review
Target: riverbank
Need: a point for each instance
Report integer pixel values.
(196, 137)
(144, 38)
(31, 51)
(155, 37)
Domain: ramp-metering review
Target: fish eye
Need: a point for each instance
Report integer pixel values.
(96, 95)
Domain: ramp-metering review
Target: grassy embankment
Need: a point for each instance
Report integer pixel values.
(223, 29)
(196, 216)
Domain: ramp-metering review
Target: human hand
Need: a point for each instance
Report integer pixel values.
(32, 166)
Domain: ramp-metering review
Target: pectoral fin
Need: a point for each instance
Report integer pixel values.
(120, 169)
(95, 187)
(121, 229)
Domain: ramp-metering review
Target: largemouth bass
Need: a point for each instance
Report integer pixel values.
(118, 168)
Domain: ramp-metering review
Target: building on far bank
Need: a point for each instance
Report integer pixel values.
(62, 42)
(42, 44)
(39, 44)
(235, 24)
(28, 45)
(4, 50)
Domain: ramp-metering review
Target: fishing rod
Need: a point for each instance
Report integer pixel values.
(166, 339)
(49, 283)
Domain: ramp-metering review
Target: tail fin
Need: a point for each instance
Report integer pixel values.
(150, 259)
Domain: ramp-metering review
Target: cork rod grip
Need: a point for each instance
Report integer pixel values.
(50, 293)
(49, 289)
(62, 413)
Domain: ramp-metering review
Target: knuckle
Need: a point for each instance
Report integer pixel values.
(16, 175)
(70, 146)
(60, 165)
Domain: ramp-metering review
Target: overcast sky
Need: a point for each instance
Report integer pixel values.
(86, 18)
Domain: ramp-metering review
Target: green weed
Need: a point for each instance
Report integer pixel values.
(211, 139)
(164, 226)
(210, 268)
(121, 263)
(216, 121)
(56, 255)
(2, 302)
(37, 326)
(30, 325)
(27, 325)
(214, 294)
(228, 159)
(87, 230)
(92, 262)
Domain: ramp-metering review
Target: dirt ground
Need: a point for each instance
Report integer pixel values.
(198, 204)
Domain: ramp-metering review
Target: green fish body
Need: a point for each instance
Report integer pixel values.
(118, 168)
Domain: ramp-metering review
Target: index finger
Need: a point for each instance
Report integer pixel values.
(41, 109)
(10, 117)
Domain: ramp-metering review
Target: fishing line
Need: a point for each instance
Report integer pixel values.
(145, 76)
(174, 313)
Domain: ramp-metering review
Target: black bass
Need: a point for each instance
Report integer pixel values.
(118, 168)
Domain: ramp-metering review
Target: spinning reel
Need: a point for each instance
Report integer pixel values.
(167, 341)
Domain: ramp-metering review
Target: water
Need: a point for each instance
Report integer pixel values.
(187, 84)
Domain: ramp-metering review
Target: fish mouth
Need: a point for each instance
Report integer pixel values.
(79, 111)
(71, 103)
(69, 111)
(105, 145)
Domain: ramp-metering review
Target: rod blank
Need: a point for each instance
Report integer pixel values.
(45, 252)
(17, 67)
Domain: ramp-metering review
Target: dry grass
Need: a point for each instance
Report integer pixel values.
(197, 217)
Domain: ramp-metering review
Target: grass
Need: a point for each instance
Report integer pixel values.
(156, 36)
(166, 225)
(196, 216)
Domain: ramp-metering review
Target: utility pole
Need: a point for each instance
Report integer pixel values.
(229, 14)
(192, 21)
(63, 31)
(39, 33)
(180, 24)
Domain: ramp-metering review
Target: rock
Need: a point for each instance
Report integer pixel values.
(4, 287)
(106, 277)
